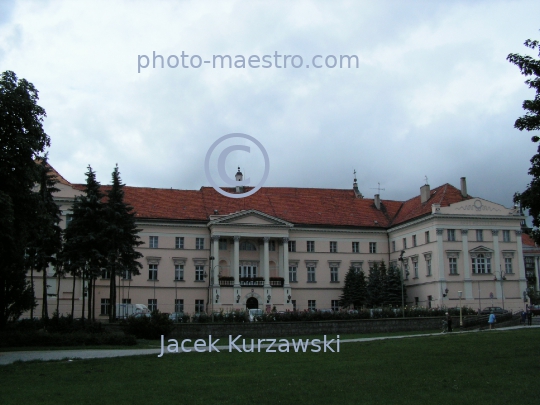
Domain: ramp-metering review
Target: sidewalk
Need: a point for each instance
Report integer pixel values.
(11, 357)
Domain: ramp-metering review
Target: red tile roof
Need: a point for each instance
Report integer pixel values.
(527, 240)
(300, 206)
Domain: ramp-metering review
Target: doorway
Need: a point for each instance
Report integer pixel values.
(252, 303)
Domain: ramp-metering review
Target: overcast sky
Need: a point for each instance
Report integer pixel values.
(433, 94)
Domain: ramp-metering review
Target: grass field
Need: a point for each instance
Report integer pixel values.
(492, 367)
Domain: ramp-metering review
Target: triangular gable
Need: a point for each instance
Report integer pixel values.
(481, 249)
(250, 217)
(477, 206)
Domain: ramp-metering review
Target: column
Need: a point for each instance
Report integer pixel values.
(215, 264)
(281, 270)
(467, 282)
(440, 255)
(266, 263)
(286, 262)
(236, 262)
(521, 264)
(497, 270)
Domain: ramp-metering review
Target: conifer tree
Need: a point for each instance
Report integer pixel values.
(374, 286)
(46, 236)
(354, 289)
(84, 250)
(120, 237)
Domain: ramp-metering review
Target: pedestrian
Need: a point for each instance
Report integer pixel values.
(529, 316)
(449, 322)
(491, 320)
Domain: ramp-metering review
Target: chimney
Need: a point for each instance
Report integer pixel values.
(464, 187)
(377, 201)
(239, 177)
(425, 193)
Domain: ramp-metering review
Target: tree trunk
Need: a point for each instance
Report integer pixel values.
(33, 292)
(90, 298)
(94, 299)
(112, 297)
(73, 299)
(59, 277)
(83, 296)
(45, 309)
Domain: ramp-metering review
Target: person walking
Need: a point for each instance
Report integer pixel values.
(491, 320)
(449, 322)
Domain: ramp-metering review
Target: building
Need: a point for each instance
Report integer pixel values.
(290, 248)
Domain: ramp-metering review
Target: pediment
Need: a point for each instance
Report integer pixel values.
(481, 250)
(477, 206)
(250, 218)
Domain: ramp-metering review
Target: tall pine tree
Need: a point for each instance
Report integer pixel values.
(84, 251)
(375, 286)
(120, 237)
(354, 289)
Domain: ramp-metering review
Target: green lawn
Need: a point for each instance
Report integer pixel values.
(492, 367)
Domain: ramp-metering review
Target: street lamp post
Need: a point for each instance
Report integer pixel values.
(460, 311)
(402, 282)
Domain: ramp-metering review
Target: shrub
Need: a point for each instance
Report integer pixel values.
(148, 327)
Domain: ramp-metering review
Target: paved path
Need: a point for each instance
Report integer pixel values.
(11, 357)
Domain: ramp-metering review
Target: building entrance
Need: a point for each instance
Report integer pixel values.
(252, 303)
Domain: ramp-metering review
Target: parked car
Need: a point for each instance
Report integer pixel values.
(177, 317)
(535, 309)
(495, 310)
(255, 315)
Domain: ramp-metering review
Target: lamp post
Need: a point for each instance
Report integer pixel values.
(460, 311)
(402, 282)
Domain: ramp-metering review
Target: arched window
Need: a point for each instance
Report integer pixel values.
(247, 246)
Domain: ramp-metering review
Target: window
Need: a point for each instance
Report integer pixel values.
(248, 271)
(223, 244)
(105, 274)
(481, 264)
(311, 274)
(333, 247)
(105, 306)
(508, 265)
(428, 266)
(479, 235)
(356, 266)
(247, 246)
(372, 247)
(199, 306)
(453, 265)
(199, 273)
(311, 246)
(272, 245)
(506, 236)
(292, 274)
(414, 240)
(406, 267)
(153, 242)
(429, 299)
(152, 272)
(126, 300)
(152, 304)
(178, 272)
(427, 237)
(178, 305)
(335, 305)
(404, 243)
(333, 274)
(356, 247)
(312, 305)
(293, 305)
(416, 299)
(199, 243)
(292, 246)
(126, 275)
(179, 242)
(415, 268)
(451, 235)
(393, 246)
